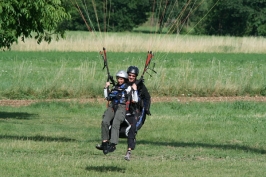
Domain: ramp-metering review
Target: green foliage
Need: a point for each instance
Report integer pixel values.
(212, 17)
(237, 18)
(45, 20)
(263, 91)
(76, 22)
(125, 15)
(22, 18)
(256, 17)
(178, 16)
(179, 139)
(107, 16)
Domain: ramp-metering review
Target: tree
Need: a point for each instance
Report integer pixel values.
(76, 23)
(179, 15)
(189, 14)
(20, 18)
(107, 16)
(256, 18)
(237, 18)
(164, 10)
(127, 14)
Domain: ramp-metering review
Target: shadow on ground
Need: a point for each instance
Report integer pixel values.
(205, 145)
(37, 138)
(17, 115)
(105, 169)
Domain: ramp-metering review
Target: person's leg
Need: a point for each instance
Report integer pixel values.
(119, 117)
(131, 140)
(128, 154)
(132, 132)
(107, 117)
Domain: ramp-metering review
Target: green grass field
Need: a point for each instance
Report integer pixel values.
(179, 139)
(41, 75)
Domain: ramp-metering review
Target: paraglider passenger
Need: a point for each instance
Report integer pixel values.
(119, 96)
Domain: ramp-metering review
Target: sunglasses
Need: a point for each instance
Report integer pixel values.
(132, 75)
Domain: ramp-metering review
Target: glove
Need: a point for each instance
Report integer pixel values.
(148, 112)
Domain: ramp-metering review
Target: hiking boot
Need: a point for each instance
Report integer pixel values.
(127, 156)
(105, 147)
(99, 147)
(111, 147)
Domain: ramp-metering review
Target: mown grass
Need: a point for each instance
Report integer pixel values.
(41, 75)
(179, 139)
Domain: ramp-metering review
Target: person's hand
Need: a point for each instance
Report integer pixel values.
(107, 84)
(148, 112)
(134, 86)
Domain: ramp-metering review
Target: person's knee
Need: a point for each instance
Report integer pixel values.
(116, 126)
(117, 122)
(105, 123)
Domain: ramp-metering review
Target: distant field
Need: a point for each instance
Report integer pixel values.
(42, 75)
(141, 42)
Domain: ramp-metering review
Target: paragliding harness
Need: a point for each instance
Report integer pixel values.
(118, 95)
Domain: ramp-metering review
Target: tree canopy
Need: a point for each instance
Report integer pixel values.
(20, 18)
(237, 18)
(107, 16)
(42, 18)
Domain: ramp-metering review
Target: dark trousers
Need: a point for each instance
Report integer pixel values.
(131, 139)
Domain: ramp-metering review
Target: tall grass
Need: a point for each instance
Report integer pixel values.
(139, 42)
(179, 139)
(213, 77)
(37, 75)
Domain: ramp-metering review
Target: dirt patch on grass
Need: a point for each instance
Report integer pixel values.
(17, 103)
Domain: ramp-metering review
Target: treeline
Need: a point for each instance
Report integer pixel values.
(23, 18)
(208, 17)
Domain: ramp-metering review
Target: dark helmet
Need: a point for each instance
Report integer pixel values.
(133, 70)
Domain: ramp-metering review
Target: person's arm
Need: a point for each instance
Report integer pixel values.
(145, 96)
(135, 97)
(134, 94)
(105, 91)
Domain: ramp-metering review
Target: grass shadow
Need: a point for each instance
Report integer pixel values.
(37, 138)
(148, 32)
(205, 145)
(17, 115)
(105, 169)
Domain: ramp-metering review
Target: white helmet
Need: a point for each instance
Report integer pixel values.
(122, 74)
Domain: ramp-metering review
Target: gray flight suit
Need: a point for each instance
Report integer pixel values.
(118, 117)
